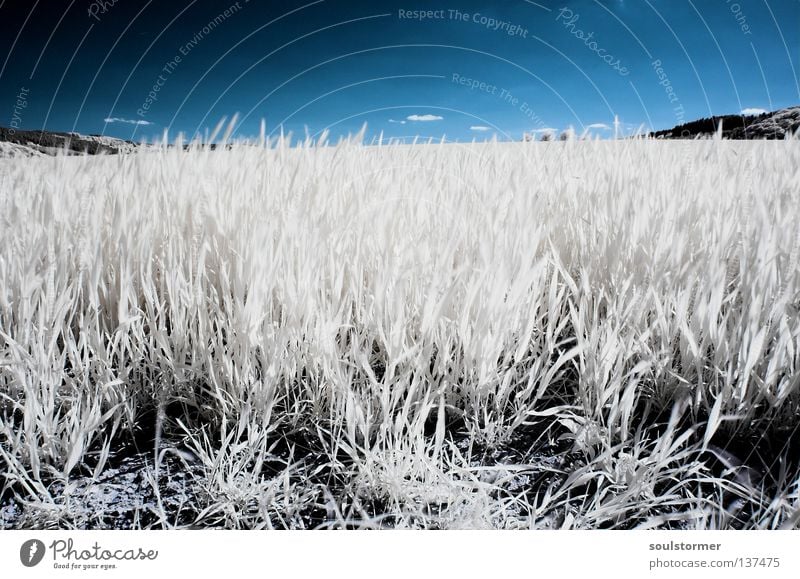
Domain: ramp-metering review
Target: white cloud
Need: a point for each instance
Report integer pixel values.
(545, 130)
(129, 121)
(753, 111)
(398, 122)
(424, 118)
(603, 126)
(479, 128)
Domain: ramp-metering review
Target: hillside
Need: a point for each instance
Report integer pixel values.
(774, 125)
(31, 143)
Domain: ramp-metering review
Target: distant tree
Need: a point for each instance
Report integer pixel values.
(567, 135)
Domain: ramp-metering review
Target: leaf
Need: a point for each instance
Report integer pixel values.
(713, 422)
(75, 454)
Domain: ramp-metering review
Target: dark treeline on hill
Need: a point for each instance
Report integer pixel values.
(709, 126)
(774, 125)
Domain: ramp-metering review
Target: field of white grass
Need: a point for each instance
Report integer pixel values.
(500, 335)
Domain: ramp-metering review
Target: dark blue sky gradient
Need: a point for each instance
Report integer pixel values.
(336, 64)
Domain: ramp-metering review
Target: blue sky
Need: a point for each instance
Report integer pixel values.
(464, 70)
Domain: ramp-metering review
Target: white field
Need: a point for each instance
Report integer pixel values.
(486, 335)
